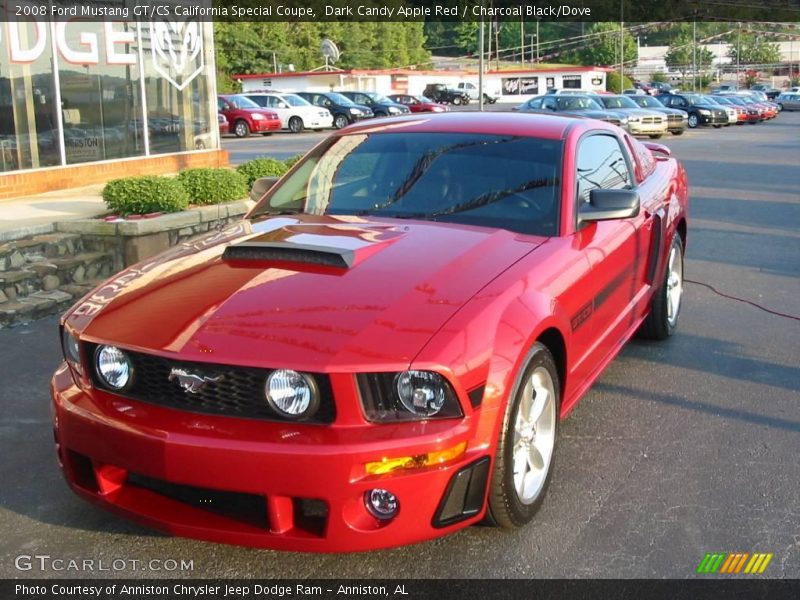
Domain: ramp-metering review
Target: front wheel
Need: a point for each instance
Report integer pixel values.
(693, 121)
(678, 132)
(295, 124)
(665, 306)
(717, 126)
(241, 129)
(456, 100)
(340, 121)
(655, 136)
(524, 460)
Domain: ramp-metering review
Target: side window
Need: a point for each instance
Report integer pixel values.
(535, 103)
(600, 164)
(221, 105)
(549, 104)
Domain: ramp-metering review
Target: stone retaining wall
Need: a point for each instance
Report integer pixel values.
(130, 241)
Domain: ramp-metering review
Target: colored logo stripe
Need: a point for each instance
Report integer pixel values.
(731, 563)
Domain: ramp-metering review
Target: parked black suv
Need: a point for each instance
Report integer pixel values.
(701, 110)
(380, 105)
(439, 92)
(344, 110)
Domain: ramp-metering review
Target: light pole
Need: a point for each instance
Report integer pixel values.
(621, 45)
(694, 55)
(480, 67)
(738, 53)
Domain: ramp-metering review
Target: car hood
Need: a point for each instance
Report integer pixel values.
(276, 302)
(664, 110)
(602, 115)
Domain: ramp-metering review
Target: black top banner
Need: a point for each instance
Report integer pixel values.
(404, 10)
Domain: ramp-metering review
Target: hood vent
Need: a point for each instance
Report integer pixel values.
(323, 256)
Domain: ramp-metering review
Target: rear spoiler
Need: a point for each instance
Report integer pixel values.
(660, 148)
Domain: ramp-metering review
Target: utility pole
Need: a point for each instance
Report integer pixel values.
(694, 54)
(621, 45)
(532, 55)
(537, 40)
(480, 67)
(522, 41)
(738, 54)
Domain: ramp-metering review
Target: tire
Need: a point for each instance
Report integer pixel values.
(677, 132)
(266, 133)
(241, 128)
(381, 114)
(296, 125)
(694, 121)
(456, 100)
(340, 121)
(717, 126)
(655, 136)
(662, 320)
(512, 501)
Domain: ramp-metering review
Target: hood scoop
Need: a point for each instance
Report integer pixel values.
(288, 252)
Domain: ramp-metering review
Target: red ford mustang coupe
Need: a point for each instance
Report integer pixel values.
(382, 351)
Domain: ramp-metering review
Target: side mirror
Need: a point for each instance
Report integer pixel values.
(261, 187)
(606, 205)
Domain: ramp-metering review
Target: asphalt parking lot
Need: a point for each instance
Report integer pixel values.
(681, 448)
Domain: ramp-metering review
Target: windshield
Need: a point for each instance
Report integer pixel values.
(619, 102)
(502, 181)
(696, 99)
(242, 102)
(294, 100)
(647, 101)
(378, 98)
(577, 103)
(340, 100)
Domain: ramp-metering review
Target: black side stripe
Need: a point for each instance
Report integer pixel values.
(586, 311)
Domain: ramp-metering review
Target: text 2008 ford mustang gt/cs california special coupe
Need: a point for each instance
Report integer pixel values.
(382, 351)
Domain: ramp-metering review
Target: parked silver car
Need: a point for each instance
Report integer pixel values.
(641, 121)
(789, 101)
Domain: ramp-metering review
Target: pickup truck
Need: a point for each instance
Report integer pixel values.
(472, 90)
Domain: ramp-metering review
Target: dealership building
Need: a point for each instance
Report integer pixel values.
(82, 102)
(509, 86)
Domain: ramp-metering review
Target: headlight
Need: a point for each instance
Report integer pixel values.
(703, 111)
(407, 396)
(113, 366)
(623, 121)
(258, 117)
(291, 394)
(394, 110)
(437, 109)
(355, 111)
(634, 119)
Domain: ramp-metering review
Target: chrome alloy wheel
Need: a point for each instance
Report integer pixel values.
(534, 435)
(674, 285)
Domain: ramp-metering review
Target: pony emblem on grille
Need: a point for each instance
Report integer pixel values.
(190, 382)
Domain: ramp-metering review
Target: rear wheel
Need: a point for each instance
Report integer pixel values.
(241, 128)
(677, 132)
(665, 306)
(717, 126)
(524, 459)
(655, 136)
(295, 124)
(456, 100)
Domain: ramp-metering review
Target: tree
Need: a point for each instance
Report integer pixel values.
(755, 50)
(602, 45)
(683, 53)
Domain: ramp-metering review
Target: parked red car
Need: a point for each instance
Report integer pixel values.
(338, 373)
(246, 117)
(418, 104)
(224, 126)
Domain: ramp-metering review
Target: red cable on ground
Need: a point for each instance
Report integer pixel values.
(751, 303)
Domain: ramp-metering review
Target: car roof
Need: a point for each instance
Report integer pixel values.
(552, 127)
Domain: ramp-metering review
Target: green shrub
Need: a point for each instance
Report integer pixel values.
(212, 186)
(143, 195)
(262, 167)
(612, 82)
(290, 162)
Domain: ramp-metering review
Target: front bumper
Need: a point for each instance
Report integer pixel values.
(266, 125)
(249, 482)
(713, 119)
(639, 128)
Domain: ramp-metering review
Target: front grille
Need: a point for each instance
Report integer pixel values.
(651, 120)
(239, 391)
(674, 118)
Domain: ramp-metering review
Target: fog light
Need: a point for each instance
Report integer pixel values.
(292, 394)
(381, 504)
